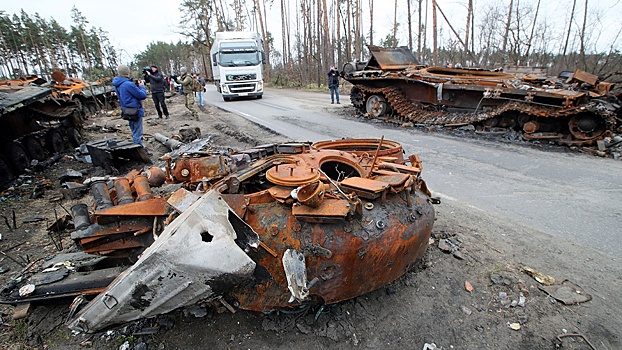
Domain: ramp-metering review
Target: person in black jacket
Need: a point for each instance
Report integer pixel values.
(333, 84)
(156, 83)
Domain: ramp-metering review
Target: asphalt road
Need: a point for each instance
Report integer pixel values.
(576, 197)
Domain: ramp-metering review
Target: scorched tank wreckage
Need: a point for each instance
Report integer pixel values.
(274, 227)
(573, 109)
(38, 119)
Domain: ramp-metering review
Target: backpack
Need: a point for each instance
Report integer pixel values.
(196, 85)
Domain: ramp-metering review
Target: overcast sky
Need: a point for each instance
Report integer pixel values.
(133, 24)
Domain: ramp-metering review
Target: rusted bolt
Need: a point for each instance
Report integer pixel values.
(185, 172)
(273, 230)
(369, 205)
(297, 227)
(291, 171)
(381, 225)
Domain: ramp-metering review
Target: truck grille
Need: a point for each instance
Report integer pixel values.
(241, 77)
(242, 88)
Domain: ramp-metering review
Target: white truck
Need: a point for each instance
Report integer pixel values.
(237, 58)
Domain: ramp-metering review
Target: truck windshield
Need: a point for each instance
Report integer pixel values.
(233, 59)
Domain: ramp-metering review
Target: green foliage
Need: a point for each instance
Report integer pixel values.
(30, 44)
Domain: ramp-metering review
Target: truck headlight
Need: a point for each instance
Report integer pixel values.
(259, 85)
(224, 88)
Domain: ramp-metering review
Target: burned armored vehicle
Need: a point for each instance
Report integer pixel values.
(274, 227)
(578, 110)
(40, 119)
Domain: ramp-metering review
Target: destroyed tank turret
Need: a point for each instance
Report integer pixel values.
(38, 119)
(274, 227)
(577, 110)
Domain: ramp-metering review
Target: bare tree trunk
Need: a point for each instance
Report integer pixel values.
(266, 47)
(326, 32)
(395, 24)
(582, 38)
(468, 24)
(574, 3)
(410, 28)
(339, 51)
(517, 48)
(435, 48)
(349, 33)
(371, 22)
(359, 30)
(533, 27)
(419, 34)
(283, 31)
(507, 28)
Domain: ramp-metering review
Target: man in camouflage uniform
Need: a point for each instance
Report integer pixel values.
(186, 82)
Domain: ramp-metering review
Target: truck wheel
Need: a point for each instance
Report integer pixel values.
(6, 174)
(34, 148)
(54, 141)
(376, 106)
(17, 156)
(74, 137)
(259, 97)
(226, 99)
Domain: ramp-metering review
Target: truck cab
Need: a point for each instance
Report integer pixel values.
(237, 58)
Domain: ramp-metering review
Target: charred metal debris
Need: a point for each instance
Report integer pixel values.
(38, 119)
(574, 109)
(273, 227)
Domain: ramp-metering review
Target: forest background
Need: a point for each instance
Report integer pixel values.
(313, 34)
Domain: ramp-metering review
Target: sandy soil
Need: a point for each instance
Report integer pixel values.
(429, 304)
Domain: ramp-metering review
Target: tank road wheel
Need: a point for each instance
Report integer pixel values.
(17, 156)
(586, 126)
(34, 148)
(356, 98)
(74, 137)
(6, 174)
(54, 141)
(376, 106)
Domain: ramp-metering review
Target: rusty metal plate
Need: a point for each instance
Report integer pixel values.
(391, 178)
(367, 185)
(584, 77)
(280, 193)
(364, 147)
(328, 207)
(151, 207)
(413, 170)
(182, 199)
(392, 59)
(292, 175)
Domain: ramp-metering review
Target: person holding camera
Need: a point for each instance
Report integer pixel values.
(157, 85)
(333, 84)
(186, 83)
(131, 94)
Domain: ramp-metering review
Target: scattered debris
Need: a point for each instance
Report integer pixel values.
(538, 276)
(107, 153)
(567, 292)
(560, 339)
(210, 239)
(468, 286)
(514, 326)
(499, 279)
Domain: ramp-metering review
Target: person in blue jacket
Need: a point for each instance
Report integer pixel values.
(131, 95)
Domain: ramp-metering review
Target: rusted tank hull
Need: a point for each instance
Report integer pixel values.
(348, 258)
(577, 111)
(315, 227)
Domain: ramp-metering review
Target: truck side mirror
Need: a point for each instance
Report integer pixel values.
(214, 62)
(263, 57)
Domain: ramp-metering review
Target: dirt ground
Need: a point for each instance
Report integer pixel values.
(429, 304)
